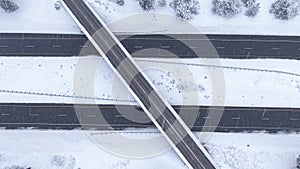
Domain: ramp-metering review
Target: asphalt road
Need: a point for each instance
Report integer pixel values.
(227, 46)
(66, 116)
(159, 111)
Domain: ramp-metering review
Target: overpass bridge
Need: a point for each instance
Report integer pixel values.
(156, 107)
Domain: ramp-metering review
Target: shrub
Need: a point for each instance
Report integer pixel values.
(285, 9)
(8, 6)
(147, 4)
(162, 3)
(227, 8)
(119, 2)
(249, 3)
(298, 162)
(57, 5)
(252, 10)
(185, 9)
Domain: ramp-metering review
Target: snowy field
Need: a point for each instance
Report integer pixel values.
(74, 149)
(46, 19)
(268, 82)
(263, 83)
(247, 83)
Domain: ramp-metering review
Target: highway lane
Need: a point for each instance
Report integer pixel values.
(227, 46)
(57, 116)
(158, 110)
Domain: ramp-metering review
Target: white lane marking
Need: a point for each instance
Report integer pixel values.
(61, 115)
(275, 48)
(165, 47)
(206, 117)
(83, 46)
(138, 47)
(56, 46)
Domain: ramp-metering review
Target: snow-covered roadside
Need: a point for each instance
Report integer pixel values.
(208, 23)
(37, 16)
(254, 151)
(57, 75)
(40, 16)
(74, 149)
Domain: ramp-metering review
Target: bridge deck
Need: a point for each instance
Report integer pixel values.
(158, 110)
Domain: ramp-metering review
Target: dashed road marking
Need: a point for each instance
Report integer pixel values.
(3, 46)
(165, 47)
(275, 48)
(83, 46)
(56, 46)
(62, 115)
(248, 48)
(138, 47)
(29, 46)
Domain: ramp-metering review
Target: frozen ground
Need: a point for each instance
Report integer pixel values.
(275, 83)
(53, 79)
(74, 149)
(40, 16)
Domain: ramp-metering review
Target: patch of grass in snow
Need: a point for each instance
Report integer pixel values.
(233, 157)
(15, 167)
(1, 158)
(120, 165)
(65, 162)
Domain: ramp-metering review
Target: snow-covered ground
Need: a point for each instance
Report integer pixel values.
(74, 149)
(40, 16)
(273, 83)
(278, 86)
(37, 16)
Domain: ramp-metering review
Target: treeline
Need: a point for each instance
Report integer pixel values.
(187, 9)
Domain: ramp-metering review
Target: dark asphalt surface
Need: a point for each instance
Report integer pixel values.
(64, 116)
(158, 110)
(227, 46)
